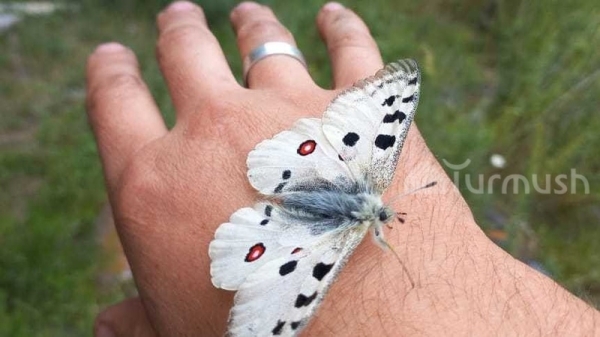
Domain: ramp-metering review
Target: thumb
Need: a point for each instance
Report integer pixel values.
(124, 319)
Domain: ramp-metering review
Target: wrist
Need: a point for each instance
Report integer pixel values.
(464, 283)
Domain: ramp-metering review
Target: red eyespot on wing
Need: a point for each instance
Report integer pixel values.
(255, 252)
(296, 250)
(307, 147)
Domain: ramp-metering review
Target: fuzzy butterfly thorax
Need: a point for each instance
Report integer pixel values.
(324, 207)
(322, 181)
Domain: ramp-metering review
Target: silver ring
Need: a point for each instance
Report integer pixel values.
(268, 49)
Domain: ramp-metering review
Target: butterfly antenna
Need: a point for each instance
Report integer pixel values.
(412, 282)
(431, 184)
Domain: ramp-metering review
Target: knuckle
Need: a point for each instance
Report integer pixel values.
(184, 34)
(264, 29)
(123, 82)
(138, 186)
(350, 37)
(221, 115)
(113, 86)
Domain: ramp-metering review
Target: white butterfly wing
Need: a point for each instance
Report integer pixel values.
(281, 296)
(301, 155)
(367, 124)
(251, 238)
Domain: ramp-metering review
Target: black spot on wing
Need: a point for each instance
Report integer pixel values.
(350, 139)
(321, 269)
(389, 101)
(288, 267)
(408, 99)
(397, 115)
(268, 210)
(303, 301)
(385, 141)
(280, 187)
(286, 174)
(264, 222)
(412, 81)
(278, 328)
(295, 325)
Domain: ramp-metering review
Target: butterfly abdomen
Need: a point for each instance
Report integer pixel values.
(330, 209)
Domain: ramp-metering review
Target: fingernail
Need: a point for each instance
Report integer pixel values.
(333, 6)
(110, 47)
(247, 5)
(104, 331)
(181, 6)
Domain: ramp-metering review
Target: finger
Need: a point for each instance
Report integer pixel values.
(120, 108)
(354, 53)
(255, 25)
(190, 57)
(125, 319)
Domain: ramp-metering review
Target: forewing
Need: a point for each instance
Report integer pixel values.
(367, 124)
(300, 156)
(280, 297)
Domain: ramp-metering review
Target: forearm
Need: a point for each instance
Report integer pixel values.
(465, 285)
(476, 288)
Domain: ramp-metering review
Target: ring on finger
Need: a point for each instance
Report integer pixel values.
(269, 49)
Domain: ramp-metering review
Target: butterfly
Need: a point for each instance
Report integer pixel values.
(322, 181)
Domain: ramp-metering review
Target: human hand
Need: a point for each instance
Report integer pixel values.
(170, 189)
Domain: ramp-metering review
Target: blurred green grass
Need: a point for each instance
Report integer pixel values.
(515, 78)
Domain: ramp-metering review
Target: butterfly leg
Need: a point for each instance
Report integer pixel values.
(400, 217)
(380, 240)
(377, 232)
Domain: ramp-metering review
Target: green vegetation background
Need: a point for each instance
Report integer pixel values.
(516, 78)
